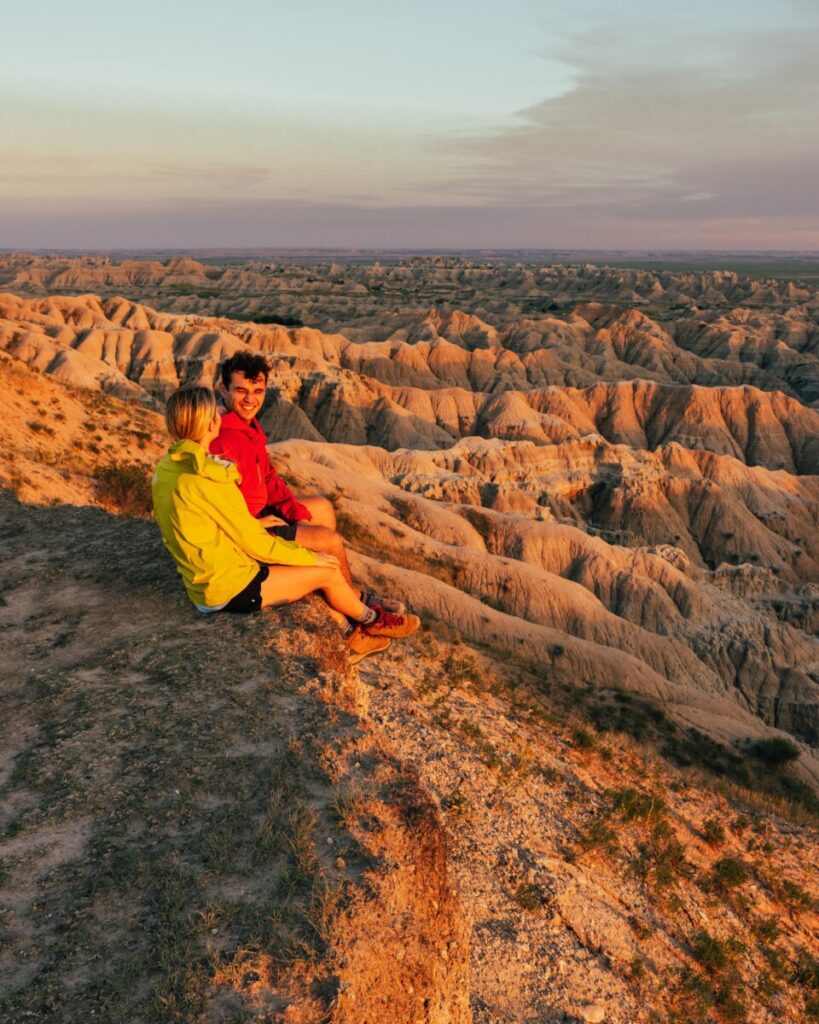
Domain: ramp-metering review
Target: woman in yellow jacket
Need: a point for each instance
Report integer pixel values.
(226, 558)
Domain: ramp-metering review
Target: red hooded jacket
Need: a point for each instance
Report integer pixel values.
(246, 445)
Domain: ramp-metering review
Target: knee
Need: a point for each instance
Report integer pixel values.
(323, 538)
(322, 511)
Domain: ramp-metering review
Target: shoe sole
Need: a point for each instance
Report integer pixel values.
(355, 657)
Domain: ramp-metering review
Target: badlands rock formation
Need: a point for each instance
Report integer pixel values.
(601, 492)
(609, 521)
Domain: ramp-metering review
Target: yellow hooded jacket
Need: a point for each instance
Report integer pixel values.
(216, 543)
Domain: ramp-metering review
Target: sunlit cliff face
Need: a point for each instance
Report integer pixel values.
(245, 397)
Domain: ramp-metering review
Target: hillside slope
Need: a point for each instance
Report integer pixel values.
(219, 820)
(565, 799)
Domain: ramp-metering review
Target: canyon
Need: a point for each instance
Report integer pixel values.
(598, 487)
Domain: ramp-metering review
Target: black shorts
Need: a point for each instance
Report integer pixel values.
(287, 531)
(249, 599)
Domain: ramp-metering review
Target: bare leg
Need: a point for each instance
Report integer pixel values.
(321, 509)
(319, 534)
(287, 583)
(323, 538)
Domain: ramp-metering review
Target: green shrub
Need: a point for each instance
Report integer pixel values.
(767, 930)
(126, 487)
(662, 858)
(728, 873)
(714, 954)
(600, 835)
(806, 970)
(633, 804)
(793, 894)
(582, 739)
(713, 832)
(530, 896)
(775, 752)
(637, 968)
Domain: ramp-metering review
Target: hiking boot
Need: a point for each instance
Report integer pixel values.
(389, 604)
(360, 644)
(391, 625)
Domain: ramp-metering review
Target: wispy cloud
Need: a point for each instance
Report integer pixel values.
(672, 126)
(664, 126)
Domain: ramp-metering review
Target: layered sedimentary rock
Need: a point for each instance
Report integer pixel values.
(642, 497)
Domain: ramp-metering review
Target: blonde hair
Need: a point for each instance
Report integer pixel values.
(189, 412)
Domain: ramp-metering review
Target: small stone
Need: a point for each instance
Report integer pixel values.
(329, 840)
(341, 863)
(593, 1013)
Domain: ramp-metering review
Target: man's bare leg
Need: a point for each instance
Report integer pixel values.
(319, 534)
(321, 509)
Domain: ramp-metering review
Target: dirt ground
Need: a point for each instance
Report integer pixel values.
(176, 831)
(216, 819)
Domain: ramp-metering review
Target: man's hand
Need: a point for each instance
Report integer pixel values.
(271, 520)
(326, 561)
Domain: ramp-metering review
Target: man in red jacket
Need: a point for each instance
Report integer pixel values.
(309, 519)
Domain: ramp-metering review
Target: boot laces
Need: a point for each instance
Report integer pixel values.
(387, 618)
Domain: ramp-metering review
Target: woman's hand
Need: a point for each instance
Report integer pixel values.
(271, 520)
(326, 561)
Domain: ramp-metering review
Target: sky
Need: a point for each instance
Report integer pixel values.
(587, 124)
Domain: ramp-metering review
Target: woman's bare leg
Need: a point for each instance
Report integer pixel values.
(286, 583)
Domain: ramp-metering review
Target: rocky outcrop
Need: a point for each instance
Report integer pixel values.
(414, 394)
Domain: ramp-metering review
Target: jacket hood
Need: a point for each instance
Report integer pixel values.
(194, 457)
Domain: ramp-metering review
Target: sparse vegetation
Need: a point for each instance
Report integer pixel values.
(728, 873)
(600, 835)
(713, 832)
(125, 487)
(661, 859)
(40, 428)
(633, 804)
(531, 896)
(792, 894)
(583, 739)
(774, 752)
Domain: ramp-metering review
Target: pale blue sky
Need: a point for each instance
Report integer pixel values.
(552, 124)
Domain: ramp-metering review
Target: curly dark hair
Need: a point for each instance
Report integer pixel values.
(245, 361)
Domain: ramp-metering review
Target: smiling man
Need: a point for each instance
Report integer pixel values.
(307, 519)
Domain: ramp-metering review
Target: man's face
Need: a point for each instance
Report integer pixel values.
(245, 397)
